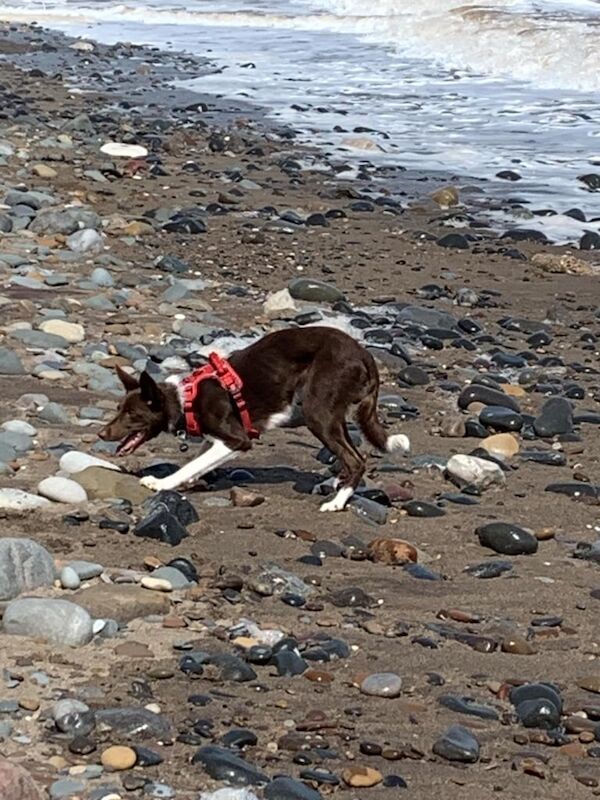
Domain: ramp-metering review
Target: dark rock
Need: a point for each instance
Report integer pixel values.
(352, 597)
(160, 524)
(536, 691)
(136, 723)
(556, 417)
(477, 393)
(508, 175)
(175, 503)
(575, 490)
(538, 713)
(457, 744)
(239, 738)
(413, 376)
(525, 234)
(506, 538)
(501, 418)
(591, 180)
(420, 508)
(454, 240)
(590, 241)
(283, 788)
(289, 663)
(550, 458)
(466, 705)
(489, 569)
(223, 765)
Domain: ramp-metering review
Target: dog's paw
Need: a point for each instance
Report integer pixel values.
(150, 482)
(332, 505)
(339, 500)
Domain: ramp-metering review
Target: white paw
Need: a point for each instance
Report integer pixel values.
(150, 482)
(332, 505)
(399, 441)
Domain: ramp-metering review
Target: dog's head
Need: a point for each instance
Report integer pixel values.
(142, 414)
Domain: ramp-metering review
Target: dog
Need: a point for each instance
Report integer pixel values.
(320, 370)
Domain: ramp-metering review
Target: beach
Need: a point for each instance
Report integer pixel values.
(282, 641)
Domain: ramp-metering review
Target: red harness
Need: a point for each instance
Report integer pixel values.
(218, 369)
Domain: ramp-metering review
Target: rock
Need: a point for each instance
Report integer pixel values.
(420, 508)
(590, 241)
(314, 291)
(118, 758)
(24, 565)
(162, 525)
(555, 418)
(69, 579)
(452, 427)
(501, 419)
(242, 498)
(62, 490)
(66, 788)
(70, 331)
(76, 461)
(18, 500)
(506, 538)
(478, 393)
(489, 569)
(457, 744)
(414, 376)
(223, 765)
(392, 551)
(122, 150)
(16, 783)
(566, 263)
(10, 363)
(446, 197)
(136, 723)
(283, 788)
(102, 484)
(44, 171)
(472, 471)
(280, 302)
(382, 684)
(229, 794)
(85, 241)
(361, 777)
(503, 445)
(19, 426)
(454, 240)
(122, 602)
(538, 713)
(52, 221)
(57, 621)
(172, 576)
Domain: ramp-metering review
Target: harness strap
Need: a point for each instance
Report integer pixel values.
(218, 369)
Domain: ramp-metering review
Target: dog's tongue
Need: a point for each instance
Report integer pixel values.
(131, 443)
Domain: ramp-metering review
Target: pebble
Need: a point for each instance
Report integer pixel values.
(457, 744)
(118, 758)
(507, 538)
(24, 565)
(62, 490)
(314, 291)
(75, 461)
(501, 444)
(382, 684)
(223, 765)
(284, 788)
(472, 471)
(18, 500)
(361, 777)
(70, 331)
(57, 621)
(69, 579)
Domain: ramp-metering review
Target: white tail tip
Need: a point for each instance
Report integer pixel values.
(398, 442)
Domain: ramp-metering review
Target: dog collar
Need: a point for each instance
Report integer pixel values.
(218, 369)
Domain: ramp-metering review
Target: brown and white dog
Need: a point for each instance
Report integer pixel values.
(323, 369)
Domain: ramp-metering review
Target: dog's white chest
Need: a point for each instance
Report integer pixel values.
(280, 419)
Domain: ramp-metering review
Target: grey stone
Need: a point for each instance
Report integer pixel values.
(382, 684)
(24, 565)
(40, 339)
(69, 579)
(65, 221)
(314, 291)
(35, 200)
(136, 723)
(86, 569)
(10, 363)
(57, 621)
(21, 442)
(66, 787)
(54, 413)
(18, 500)
(102, 277)
(7, 453)
(176, 579)
(457, 744)
(62, 490)
(223, 765)
(85, 241)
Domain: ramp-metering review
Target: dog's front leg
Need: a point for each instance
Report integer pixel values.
(218, 453)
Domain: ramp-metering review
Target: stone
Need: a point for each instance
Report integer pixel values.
(101, 484)
(69, 579)
(19, 426)
(75, 461)
(565, 263)
(501, 419)
(454, 240)
(382, 684)
(70, 331)
(507, 538)
(223, 765)
(162, 525)
(478, 393)
(62, 490)
(10, 363)
(503, 445)
(284, 788)
(122, 602)
(242, 498)
(457, 744)
(59, 622)
(472, 471)
(555, 417)
(123, 150)
(446, 197)
(314, 291)
(538, 713)
(24, 565)
(16, 783)
(66, 788)
(118, 758)
(392, 551)
(18, 500)
(280, 302)
(229, 794)
(361, 777)
(135, 723)
(420, 508)
(44, 171)
(54, 413)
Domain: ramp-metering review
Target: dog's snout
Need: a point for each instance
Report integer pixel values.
(104, 434)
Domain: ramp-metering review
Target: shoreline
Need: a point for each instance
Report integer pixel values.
(136, 262)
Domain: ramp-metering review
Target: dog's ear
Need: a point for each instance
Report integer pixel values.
(151, 391)
(129, 381)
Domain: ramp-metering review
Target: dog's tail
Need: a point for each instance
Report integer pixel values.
(374, 432)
